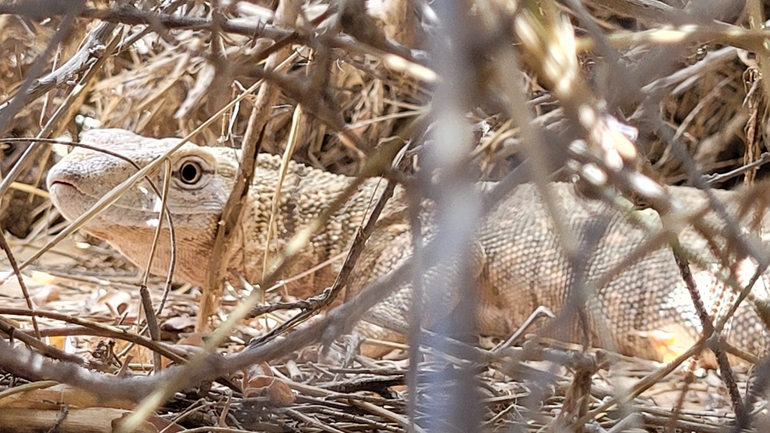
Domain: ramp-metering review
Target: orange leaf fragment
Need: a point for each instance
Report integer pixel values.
(258, 380)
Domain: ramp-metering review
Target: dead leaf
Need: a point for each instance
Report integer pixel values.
(258, 380)
(45, 294)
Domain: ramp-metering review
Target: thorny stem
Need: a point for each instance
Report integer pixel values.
(708, 332)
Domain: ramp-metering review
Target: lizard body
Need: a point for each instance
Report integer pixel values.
(519, 261)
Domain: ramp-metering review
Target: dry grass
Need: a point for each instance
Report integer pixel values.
(165, 70)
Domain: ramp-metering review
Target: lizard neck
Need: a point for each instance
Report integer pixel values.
(306, 192)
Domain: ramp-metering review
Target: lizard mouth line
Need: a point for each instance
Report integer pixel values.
(71, 187)
(150, 211)
(64, 184)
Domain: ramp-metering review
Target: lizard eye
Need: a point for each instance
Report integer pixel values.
(189, 172)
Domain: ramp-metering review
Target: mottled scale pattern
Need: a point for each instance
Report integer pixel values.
(517, 258)
(523, 266)
(527, 267)
(84, 176)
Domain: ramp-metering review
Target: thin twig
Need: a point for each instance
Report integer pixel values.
(20, 278)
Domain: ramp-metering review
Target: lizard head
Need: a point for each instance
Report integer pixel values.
(201, 179)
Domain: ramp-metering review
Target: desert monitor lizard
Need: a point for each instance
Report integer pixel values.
(521, 265)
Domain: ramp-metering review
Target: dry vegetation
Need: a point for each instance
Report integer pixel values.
(526, 79)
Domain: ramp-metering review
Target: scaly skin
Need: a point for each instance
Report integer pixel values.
(78, 181)
(519, 260)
